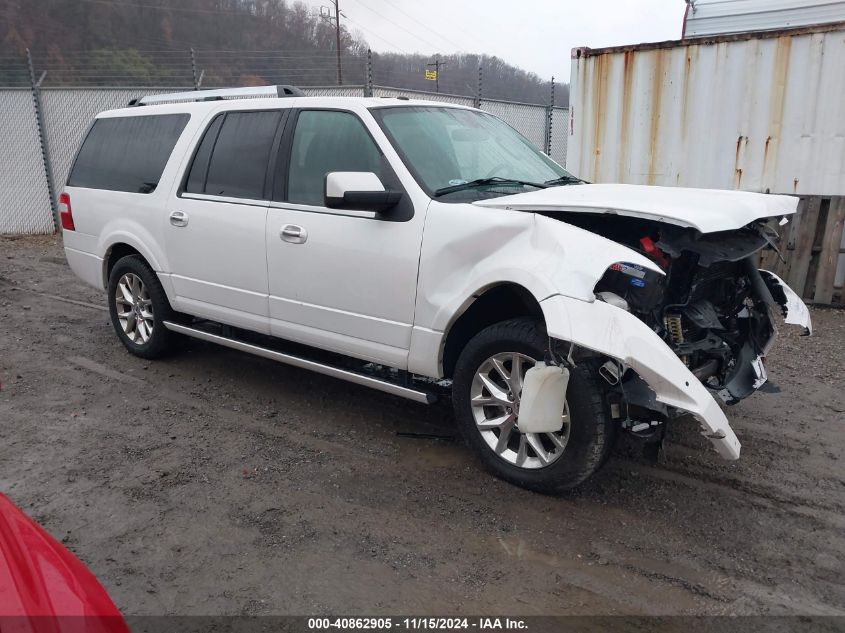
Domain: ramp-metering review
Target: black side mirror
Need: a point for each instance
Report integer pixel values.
(359, 190)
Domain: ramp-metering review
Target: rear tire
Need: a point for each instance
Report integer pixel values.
(588, 432)
(138, 308)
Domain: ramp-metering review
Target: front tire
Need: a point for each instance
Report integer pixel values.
(486, 387)
(138, 308)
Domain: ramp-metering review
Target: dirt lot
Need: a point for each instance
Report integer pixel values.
(218, 483)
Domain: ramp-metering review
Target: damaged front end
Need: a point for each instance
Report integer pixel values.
(713, 309)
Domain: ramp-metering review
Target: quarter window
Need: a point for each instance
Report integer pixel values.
(233, 155)
(325, 141)
(127, 153)
(199, 168)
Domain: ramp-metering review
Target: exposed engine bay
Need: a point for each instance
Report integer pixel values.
(713, 307)
(659, 284)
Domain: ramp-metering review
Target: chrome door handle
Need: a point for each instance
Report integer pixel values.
(293, 234)
(179, 218)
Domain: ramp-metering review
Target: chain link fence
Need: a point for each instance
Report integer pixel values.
(384, 91)
(559, 134)
(333, 91)
(529, 120)
(32, 151)
(24, 196)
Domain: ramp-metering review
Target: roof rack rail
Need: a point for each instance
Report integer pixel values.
(223, 93)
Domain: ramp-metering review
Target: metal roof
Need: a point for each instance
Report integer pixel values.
(716, 17)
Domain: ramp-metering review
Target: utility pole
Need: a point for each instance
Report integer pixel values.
(369, 88)
(478, 87)
(437, 64)
(337, 39)
(325, 14)
(550, 115)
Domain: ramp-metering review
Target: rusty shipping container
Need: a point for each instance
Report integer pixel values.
(757, 111)
(761, 111)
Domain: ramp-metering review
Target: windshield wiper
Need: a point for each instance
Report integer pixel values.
(564, 180)
(480, 182)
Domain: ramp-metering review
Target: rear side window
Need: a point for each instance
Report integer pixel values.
(233, 156)
(127, 153)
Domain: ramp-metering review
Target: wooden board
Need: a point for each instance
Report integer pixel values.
(829, 255)
(770, 260)
(799, 258)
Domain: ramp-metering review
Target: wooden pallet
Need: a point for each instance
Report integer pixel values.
(812, 245)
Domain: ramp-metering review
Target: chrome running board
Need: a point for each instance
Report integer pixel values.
(296, 361)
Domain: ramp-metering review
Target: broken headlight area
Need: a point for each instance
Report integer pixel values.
(712, 307)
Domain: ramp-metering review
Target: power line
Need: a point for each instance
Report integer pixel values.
(396, 24)
(458, 47)
(377, 36)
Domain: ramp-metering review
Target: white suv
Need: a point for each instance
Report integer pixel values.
(415, 247)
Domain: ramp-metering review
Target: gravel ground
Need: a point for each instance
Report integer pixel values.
(215, 482)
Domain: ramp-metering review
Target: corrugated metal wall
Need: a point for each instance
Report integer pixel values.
(715, 17)
(760, 113)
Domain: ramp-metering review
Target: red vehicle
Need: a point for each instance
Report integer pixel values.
(43, 587)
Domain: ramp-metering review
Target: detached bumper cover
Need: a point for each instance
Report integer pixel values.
(619, 334)
(795, 311)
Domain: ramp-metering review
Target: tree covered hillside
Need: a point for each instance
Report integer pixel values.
(236, 42)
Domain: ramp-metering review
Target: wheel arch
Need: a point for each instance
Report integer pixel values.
(119, 245)
(499, 302)
(114, 253)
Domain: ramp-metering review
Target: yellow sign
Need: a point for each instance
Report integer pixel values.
(431, 75)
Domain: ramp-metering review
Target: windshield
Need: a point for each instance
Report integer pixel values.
(446, 148)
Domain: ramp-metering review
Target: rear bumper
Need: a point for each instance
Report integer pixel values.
(619, 334)
(86, 266)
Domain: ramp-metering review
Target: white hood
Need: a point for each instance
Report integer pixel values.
(707, 210)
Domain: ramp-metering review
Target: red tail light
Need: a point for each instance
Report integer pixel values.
(65, 213)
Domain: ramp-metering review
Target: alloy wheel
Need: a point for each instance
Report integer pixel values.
(495, 396)
(134, 308)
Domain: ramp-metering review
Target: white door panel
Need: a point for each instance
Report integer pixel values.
(218, 256)
(340, 343)
(215, 229)
(361, 326)
(353, 276)
(341, 280)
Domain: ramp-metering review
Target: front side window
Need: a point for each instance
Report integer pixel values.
(232, 158)
(325, 141)
(447, 147)
(127, 153)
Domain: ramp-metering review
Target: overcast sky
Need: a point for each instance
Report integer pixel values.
(536, 35)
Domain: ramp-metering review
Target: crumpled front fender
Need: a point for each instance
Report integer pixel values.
(619, 334)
